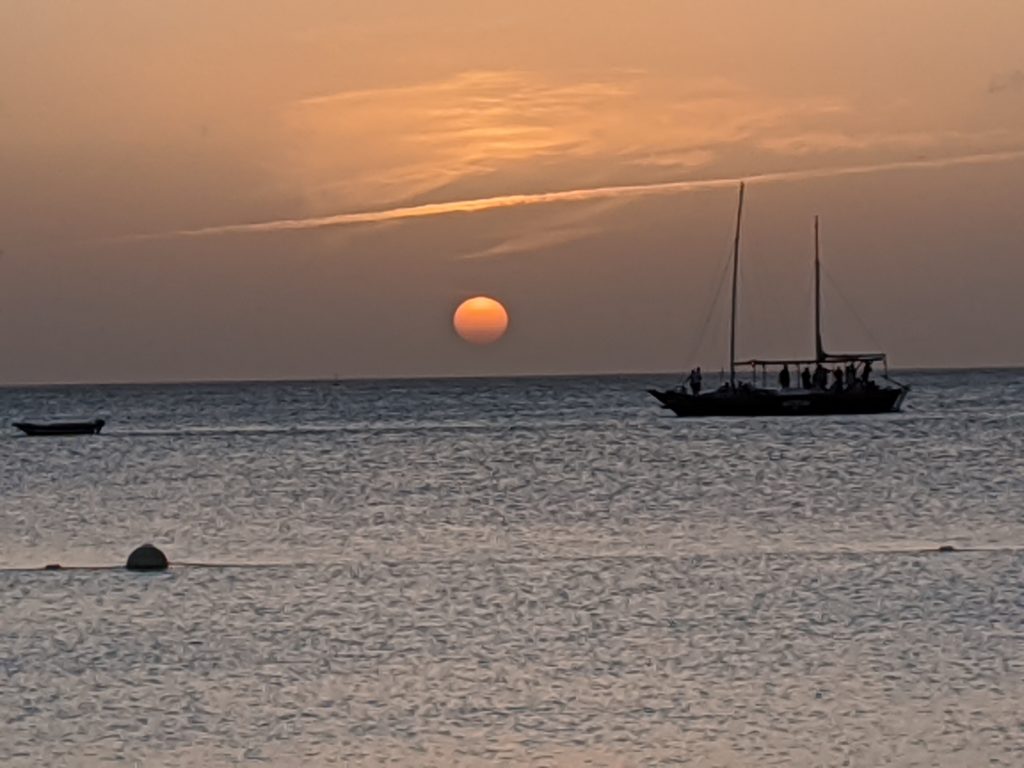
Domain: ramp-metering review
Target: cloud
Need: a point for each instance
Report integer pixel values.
(822, 142)
(386, 154)
(535, 241)
(611, 192)
(816, 142)
(396, 143)
(475, 129)
(561, 227)
(679, 159)
(1007, 81)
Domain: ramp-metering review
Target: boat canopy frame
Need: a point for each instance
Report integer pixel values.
(852, 357)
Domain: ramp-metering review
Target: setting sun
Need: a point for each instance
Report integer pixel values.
(480, 320)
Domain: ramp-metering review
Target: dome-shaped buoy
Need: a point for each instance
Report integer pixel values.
(947, 548)
(52, 567)
(147, 558)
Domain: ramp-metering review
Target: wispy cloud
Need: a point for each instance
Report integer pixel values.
(558, 227)
(477, 128)
(535, 241)
(497, 202)
(823, 142)
(692, 158)
(1007, 81)
(376, 154)
(388, 144)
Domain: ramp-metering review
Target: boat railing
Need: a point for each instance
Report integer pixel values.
(858, 357)
(761, 365)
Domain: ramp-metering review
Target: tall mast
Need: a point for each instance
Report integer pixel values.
(819, 350)
(735, 276)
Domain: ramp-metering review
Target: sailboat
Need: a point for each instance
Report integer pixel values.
(852, 389)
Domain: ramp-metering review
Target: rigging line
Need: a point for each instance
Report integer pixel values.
(760, 312)
(698, 344)
(851, 308)
(808, 297)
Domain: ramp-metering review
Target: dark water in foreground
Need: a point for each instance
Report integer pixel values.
(522, 572)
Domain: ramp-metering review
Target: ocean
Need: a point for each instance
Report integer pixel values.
(533, 571)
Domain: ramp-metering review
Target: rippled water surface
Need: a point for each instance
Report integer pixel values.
(519, 572)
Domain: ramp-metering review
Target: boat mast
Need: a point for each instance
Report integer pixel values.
(819, 350)
(735, 276)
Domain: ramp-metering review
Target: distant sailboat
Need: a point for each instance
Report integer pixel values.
(853, 390)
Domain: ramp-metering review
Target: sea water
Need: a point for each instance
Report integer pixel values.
(548, 571)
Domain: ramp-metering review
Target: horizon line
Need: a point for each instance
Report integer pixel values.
(452, 377)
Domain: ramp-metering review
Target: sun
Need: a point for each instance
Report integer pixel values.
(480, 320)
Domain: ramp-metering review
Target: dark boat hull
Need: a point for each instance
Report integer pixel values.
(768, 402)
(58, 428)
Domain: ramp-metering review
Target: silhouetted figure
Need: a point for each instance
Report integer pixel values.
(784, 377)
(694, 380)
(865, 375)
(852, 378)
(820, 377)
(805, 377)
(837, 374)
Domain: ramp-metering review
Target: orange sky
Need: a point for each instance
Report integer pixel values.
(397, 160)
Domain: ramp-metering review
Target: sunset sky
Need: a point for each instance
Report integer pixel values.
(254, 189)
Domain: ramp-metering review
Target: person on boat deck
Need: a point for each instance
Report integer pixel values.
(838, 375)
(784, 376)
(851, 373)
(865, 375)
(820, 378)
(805, 377)
(694, 380)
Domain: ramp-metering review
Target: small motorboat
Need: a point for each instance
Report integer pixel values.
(54, 428)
